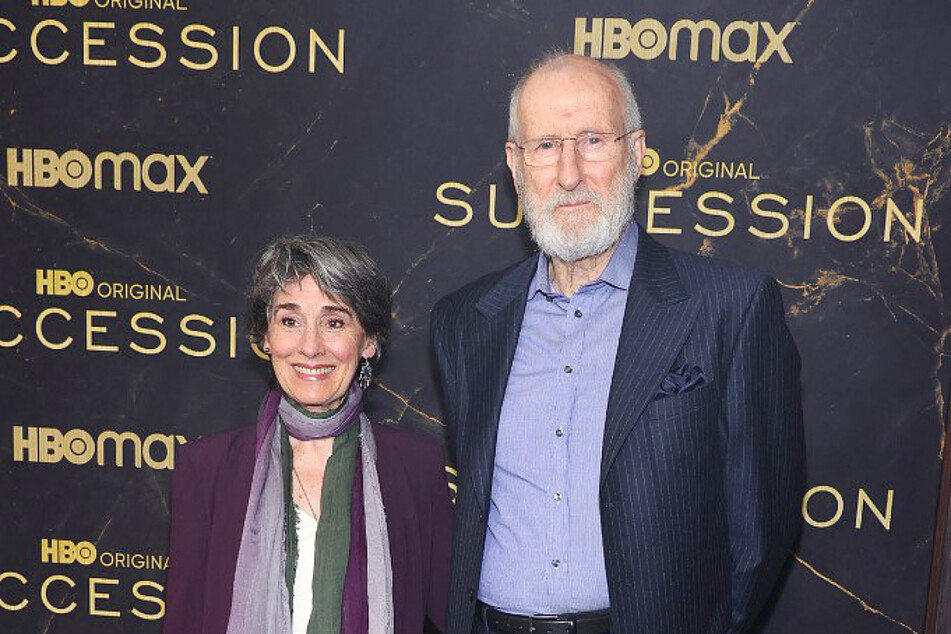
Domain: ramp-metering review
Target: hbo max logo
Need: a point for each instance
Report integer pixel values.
(64, 551)
(166, 173)
(62, 283)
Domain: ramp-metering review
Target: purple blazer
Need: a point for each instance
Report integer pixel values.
(211, 484)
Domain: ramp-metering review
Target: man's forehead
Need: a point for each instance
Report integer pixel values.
(572, 94)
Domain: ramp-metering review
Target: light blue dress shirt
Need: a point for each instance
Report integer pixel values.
(543, 551)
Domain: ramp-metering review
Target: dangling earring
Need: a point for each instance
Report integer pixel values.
(366, 374)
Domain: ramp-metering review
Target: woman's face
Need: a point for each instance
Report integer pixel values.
(316, 345)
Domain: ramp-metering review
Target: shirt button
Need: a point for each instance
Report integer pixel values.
(578, 313)
(559, 432)
(557, 496)
(568, 369)
(556, 562)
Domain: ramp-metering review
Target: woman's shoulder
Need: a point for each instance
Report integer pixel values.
(416, 451)
(392, 437)
(220, 447)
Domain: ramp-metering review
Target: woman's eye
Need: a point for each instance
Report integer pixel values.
(334, 324)
(289, 322)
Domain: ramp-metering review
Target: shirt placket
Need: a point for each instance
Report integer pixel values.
(562, 429)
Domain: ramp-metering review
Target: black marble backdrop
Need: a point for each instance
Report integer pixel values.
(786, 136)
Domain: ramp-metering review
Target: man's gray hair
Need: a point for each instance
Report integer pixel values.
(342, 270)
(632, 113)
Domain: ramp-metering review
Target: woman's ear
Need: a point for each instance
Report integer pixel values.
(369, 348)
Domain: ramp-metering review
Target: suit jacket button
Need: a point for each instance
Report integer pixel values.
(471, 592)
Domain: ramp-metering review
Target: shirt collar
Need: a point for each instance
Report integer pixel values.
(617, 273)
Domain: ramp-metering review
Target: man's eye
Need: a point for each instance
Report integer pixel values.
(593, 140)
(545, 145)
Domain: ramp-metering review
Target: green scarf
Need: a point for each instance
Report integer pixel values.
(332, 548)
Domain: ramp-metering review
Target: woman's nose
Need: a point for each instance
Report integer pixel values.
(313, 342)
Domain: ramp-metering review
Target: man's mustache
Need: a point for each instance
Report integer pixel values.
(577, 195)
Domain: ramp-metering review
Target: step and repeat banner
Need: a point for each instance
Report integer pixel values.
(150, 148)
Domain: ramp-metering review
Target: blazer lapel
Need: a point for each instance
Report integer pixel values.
(657, 318)
(490, 348)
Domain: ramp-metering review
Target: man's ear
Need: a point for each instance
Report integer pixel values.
(638, 141)
(510, 159)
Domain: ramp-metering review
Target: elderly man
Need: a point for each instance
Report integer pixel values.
(626, 419)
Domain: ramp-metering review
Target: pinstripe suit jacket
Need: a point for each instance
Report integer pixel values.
(700, 490)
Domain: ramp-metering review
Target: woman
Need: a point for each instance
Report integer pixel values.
(313, 520)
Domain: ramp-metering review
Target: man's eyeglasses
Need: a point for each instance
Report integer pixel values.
(592, 146)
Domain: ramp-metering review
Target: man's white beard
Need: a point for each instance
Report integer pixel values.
(574, 242)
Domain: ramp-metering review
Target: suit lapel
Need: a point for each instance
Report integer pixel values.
(657, 318)
(490, 348)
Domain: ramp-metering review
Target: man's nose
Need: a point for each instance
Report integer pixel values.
(569, 165)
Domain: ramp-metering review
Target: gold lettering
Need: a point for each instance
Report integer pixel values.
(197, 44)
(648, 38)
(166, 161)
(653, 210)
(440, 196)
(585, 37)
(695, 29)
(147, 331)
(807, 221)
(713, 211)
(117, 160)
(91, 329)
(840, 505)
(198, 334)
(617, 32)
(44, 594)
(39, 328)
(336, 60)
(233, 338)
(765, 213)
(156, 599)
(864, 500)
(34, 36)
(163, 440)
(492, 217)
(752, 33)
(892, 211)
(118, 440)
(291, 49)
(138, 41)
(13, 607)
(9, 343)
(13, 52)
(95, 595)
(833, 210)
(89, 42)
(776, 44)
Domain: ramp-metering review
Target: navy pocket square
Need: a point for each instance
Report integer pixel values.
(681, 379)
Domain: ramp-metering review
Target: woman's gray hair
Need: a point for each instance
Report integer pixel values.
(342, 270)
(632, 113)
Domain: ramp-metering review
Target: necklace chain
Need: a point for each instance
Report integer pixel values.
(304, 491)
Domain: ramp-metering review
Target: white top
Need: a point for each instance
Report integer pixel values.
(304, 577)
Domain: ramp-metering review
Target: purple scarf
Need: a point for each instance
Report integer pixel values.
(260, 600)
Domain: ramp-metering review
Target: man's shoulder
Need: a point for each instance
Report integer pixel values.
(465, 297)
(710, 275)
